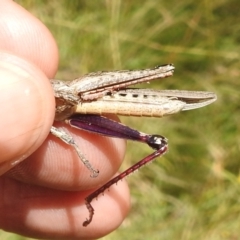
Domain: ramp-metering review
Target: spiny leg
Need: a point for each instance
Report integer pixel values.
(101, 125)
(122, 175)
(107, 127)
(70, 141)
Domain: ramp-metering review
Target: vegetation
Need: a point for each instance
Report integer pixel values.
(193, 191)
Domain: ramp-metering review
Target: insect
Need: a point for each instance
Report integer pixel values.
(82, 102)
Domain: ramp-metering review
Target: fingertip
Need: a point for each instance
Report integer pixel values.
(63, 212)
(27, 37)
(27, 109)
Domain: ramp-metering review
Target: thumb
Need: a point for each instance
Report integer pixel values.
(27, 109)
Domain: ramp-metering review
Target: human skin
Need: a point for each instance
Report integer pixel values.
(43, 183)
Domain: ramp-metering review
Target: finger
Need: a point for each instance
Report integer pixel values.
(27, 109)
(57, 165)
(40, 170)
(27, 116)
(25, 36)
(42, 213)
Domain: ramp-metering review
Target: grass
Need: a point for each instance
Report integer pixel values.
(193, 191)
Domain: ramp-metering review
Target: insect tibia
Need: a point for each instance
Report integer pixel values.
(160, 141)
(157, 141)
(65, 137)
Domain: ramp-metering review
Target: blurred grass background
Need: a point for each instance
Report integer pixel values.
(193, 192)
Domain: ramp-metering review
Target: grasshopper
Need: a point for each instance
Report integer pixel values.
(82, 102)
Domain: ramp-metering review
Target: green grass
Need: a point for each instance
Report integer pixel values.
(193, 191)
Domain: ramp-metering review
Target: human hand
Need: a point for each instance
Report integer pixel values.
(42, 196)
